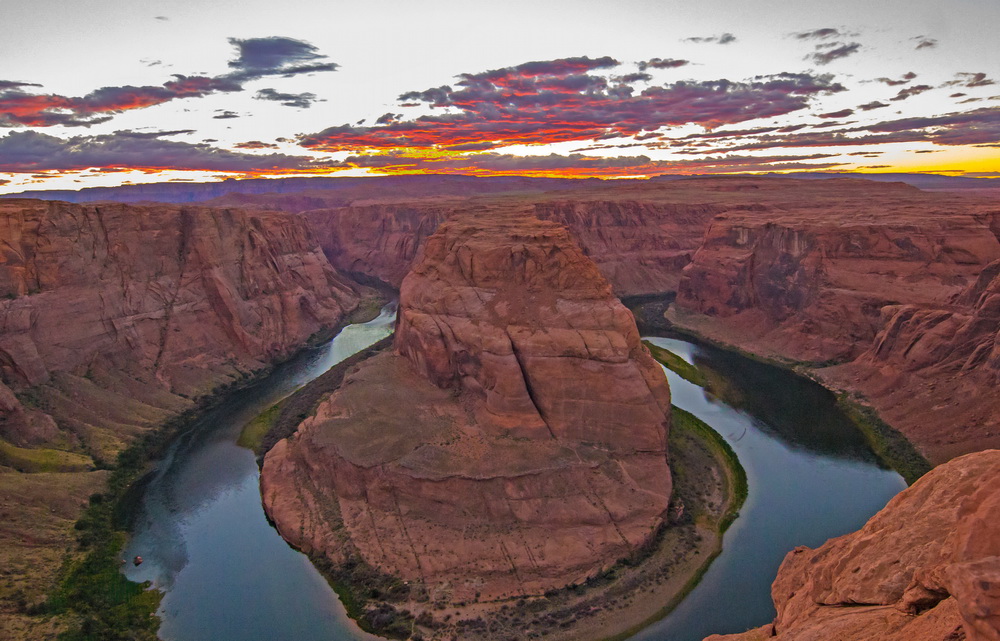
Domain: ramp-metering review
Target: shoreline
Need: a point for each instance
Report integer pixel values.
(890, 445)
(90, 592)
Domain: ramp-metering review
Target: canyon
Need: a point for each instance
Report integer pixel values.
(521, 441)
(115, 318)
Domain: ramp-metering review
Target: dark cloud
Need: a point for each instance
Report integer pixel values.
(907, 77)
(258, 58)
(13, 84)
(722, 39)
(925, 42)
(153, 134)
(817, 34)
(909, 92)
(255, 144)
(825, 54)
(301, 100)
(161, 18)
(978, 127)
(31, 151)
(970, 80)
(843, 113)
(868, 106)
(225, 114)
(662, 63)
(545, 102)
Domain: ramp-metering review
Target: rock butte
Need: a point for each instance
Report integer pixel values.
(514, 442)
(925, 568)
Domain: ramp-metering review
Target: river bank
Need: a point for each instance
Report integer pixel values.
(710, 486)
(656, 314)
(91, 598)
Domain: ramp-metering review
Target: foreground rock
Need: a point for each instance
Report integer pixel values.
(925, 568)
(515, 442)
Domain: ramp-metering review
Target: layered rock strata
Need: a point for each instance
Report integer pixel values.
(514, 442)
(925, 568)
(113, 316)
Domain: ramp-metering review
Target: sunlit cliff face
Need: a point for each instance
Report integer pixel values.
(100, 95)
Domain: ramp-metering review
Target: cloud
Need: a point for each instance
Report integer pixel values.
(13, 84)
(907, 77)
(255, 144)
(843, 113)
(153, 134)
(970, 80)
(868, 106)
(909, 92)
(662, 63)
(925, 43)
(818, 34)
(301, 100)
(257, 58)
(722, 39)
(825, 54)
(224, 114)
(556, 101)
(32, 151)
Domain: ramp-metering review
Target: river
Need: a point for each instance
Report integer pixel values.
(226, 575)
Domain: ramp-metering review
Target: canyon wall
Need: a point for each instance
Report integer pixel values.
(113, 316)
(519, 439)
(926, 567)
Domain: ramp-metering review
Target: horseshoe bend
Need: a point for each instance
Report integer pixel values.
(521, 433)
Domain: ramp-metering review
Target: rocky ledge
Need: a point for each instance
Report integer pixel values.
(925, 568)
(513, 443)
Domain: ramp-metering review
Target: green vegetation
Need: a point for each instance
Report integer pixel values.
(253, 432)
(32, 460)
(358, 585)
(676, 364)
(890, 446)
(683, 421)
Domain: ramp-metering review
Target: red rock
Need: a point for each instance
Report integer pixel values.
(119, 310)
(925, 568)
(514, 445)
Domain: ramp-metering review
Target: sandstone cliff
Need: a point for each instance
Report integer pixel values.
(925, 568)
(515, 442)
(114, 316)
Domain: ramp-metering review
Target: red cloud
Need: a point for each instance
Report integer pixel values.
(547, 102)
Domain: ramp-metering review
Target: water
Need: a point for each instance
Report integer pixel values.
(228, 576)
(205, 541)
(810, 478)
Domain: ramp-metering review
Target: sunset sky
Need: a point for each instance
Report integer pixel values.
(106, 92)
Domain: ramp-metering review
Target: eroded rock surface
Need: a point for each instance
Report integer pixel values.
(925, 568)
(115, 315)
(515, 441)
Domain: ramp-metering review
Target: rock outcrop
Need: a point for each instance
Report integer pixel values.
(925, 568)
(114, 316)
(515, 441)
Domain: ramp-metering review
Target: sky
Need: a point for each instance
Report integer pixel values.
(109, 92)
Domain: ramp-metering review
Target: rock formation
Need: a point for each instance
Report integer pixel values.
(515, 441)
(925, 568)
(114, 315)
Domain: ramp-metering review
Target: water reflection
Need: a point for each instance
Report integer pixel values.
(800, 492)
(204, 538)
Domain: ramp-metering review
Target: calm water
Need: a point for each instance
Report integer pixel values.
(228, 576)
(810, 477)
(225, 573)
